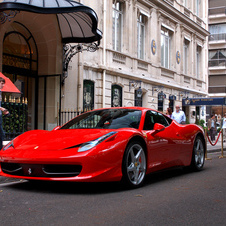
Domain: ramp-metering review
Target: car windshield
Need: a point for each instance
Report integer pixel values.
(106, 119)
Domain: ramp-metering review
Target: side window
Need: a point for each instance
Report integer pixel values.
(149, 121)
(153, 117)
(159, 118)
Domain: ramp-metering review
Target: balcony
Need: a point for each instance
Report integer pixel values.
(217, 37)
(217, 63)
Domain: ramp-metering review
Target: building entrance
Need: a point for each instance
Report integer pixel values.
(20, 64)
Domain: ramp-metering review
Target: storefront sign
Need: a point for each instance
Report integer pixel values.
(204, 101)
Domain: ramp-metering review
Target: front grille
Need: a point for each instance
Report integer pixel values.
(39, 170)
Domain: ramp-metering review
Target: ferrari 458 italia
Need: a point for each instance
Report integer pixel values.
(114, 144)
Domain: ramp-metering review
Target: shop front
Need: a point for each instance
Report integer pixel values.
(32, 37)
(206, 107)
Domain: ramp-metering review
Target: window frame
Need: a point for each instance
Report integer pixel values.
(141, 36)
(165, 44)
(117, 37)
(113, 88)
(90, 97)
(151, 122)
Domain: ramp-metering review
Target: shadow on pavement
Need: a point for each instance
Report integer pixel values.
(93, 188)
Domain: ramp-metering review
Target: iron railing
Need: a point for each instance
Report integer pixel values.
(217, 63)
(67, 115)
(16, 123)
(217, 37)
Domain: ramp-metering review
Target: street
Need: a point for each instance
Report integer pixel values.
(176, 197)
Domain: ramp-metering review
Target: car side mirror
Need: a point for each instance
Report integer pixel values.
(56, 128)
(158, 128)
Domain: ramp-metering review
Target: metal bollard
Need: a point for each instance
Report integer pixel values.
(206, 145)
(222, 145)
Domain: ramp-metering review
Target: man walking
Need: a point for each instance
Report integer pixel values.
(179, 115)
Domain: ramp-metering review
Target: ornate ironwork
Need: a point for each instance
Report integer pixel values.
(69, 51)
(134, 84)
(4, 16)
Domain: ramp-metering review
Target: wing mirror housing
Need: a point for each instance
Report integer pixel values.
(158, 128)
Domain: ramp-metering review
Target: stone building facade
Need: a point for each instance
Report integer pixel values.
(152, 54)
(157, 47)
(217, 54)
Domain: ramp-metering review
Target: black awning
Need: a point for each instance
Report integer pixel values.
(77, 22)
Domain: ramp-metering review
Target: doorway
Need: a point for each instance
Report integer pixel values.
(20, 64)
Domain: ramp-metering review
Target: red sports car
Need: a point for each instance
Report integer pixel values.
(105, 145)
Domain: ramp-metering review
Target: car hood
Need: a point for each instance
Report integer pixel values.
(58, 139)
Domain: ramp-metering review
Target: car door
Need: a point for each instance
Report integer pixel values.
(162, 148)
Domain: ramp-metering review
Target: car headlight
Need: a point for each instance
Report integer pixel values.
(10, 144)
(87, 146)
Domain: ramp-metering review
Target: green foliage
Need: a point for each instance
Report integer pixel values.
(187, 121)
(16, 122)
(201, 123)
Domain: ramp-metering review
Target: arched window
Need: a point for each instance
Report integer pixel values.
(20, 55)
(88, 95)
(116, 96)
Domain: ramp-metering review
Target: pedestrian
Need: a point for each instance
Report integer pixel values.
(224, 127)
(212, 127)
(169, 112)
(2, 111)
(179, 115)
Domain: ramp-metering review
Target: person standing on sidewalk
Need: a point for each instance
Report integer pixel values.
(224, 127)
(212, 127)
(2, 111)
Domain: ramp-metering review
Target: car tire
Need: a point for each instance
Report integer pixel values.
(134, 165)
(198, 155)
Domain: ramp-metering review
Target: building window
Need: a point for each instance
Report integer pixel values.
(185, 58)
(88, 95)
(140, 36)
(165, 48)
(198, 61)
(117, 26)
(197, 7)
(116, 96)
(138, 97)
(217, 58)
(161, 97)
(217, 32)
(172, 99)
(185, 3)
